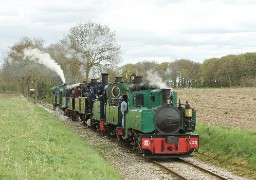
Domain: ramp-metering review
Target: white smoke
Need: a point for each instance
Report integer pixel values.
(10, 60)
(94, 73)
(44, 59)
(153, 78)
(71, 86)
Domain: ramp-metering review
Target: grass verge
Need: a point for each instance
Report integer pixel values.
(36, 145)
(228, 147)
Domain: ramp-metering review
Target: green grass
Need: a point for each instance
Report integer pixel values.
(35, 144)
(230, 147)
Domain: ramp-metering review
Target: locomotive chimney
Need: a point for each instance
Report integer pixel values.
(119, 80)
(166, 95)
(104, 79)
(93, 82)
(137, 80)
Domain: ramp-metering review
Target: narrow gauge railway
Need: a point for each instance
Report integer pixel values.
(194, 171)
(169, 171)
(168, 166)
(148, 117)
(46, 105)
(203, 169)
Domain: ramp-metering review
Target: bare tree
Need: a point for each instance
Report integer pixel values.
(24, 73)
(69, 64)
(94, 44)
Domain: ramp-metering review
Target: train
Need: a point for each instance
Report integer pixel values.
(155, 122)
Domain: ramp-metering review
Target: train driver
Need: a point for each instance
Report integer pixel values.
(123, 110)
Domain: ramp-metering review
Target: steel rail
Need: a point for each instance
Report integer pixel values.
(202, 169)
(169, 170)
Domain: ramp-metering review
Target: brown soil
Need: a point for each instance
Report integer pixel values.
(232, 107)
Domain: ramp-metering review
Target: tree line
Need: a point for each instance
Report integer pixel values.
(90, 48)
(227, 71)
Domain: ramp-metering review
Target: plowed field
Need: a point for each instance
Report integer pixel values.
(234, 107)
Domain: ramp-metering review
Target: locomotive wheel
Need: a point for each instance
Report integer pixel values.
(122, 141)
(95, 125)
(119, 138)
(103, 133)
(108, 130)
(73, 115)
(82, 118)
(146, 153)
(135, 144)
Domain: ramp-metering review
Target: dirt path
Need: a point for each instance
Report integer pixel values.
(234, 107)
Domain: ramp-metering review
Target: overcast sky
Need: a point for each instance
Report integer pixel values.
(161, 30)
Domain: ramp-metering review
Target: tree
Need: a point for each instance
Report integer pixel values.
(127, 71)
(184, 72)
(94, 44)
(209, 70)
(26, 74)
(163, 71)
(144, 68)
(69, 64)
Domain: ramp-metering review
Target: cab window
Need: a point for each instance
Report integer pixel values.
(138, 100)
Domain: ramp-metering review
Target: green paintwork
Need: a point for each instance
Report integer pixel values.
(70, 103)
(194, 116)
(96, 110)
(114, 95)
(147, 121)
(148, 102)
(82, 105)
(63, 104)
(59, 99)
(141, 107)
(77, 104)
(112, 114)
(158, 98)
(62, 94)
(133, 119)
(141, 120)
(174, 100)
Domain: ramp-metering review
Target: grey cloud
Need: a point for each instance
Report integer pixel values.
(195, 39)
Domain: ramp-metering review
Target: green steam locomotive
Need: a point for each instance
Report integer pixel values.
(154, 122)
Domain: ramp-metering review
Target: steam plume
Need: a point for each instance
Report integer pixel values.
(153, 78)
(44, 59)
(70, 86)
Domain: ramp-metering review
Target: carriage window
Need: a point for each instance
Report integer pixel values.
(138, 100)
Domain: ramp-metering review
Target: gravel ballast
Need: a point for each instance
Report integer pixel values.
(131, 165)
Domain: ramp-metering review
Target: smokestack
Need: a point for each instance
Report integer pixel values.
(137, 80)
(166, 95)
(119, 80)
(104, 79)
(93, 82)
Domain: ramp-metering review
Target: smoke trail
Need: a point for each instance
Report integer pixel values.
(45, 59)
(70, 86)
(153, 78)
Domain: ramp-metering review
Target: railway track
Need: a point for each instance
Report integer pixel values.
(170, 166)
(49, 106)
(169, 171)
(202, 169)
(178, 168)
